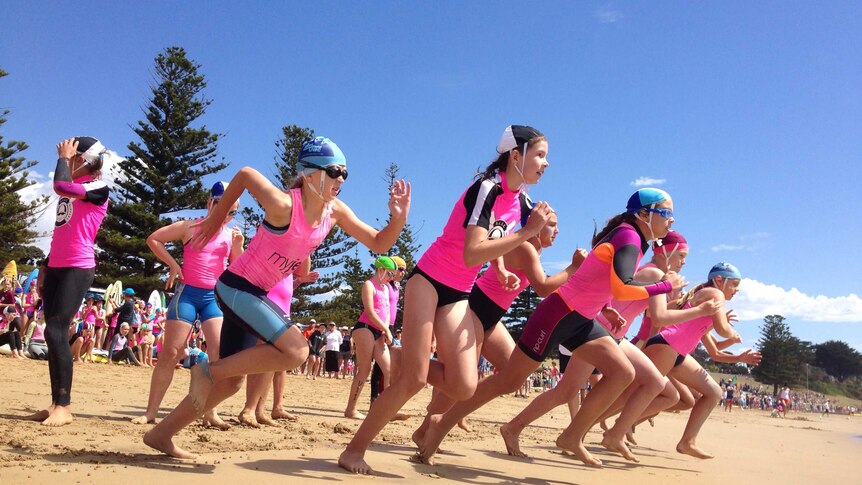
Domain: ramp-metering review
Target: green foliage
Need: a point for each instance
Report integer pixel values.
(18, 217)
(163, 174)
(523, 306)
(784, 356)
(838, 359)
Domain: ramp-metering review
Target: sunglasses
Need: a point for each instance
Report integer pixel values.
(665, 213)
(390, 274)
(402, 269)
(335, 171)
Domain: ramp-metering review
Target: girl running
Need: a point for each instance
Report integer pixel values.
(194, 297)
(295, 222)
(490, 300)
(71, 264)
(567, 316)
(670, 350)
(371, 333)
(435, 301)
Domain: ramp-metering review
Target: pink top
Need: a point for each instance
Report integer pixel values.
(121, 342)
(90, 315)
(608, 273)
(645, 328)
(38, 333)
(394, 293)
(202, 267)
(381, 304)
(487, 203)
(282, 293)
(683, 337)
(492, 288)
(275, 253)
(76, 225)
(627, 309)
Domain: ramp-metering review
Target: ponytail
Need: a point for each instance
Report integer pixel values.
(689, 295)
(502, 161)
(612, 224)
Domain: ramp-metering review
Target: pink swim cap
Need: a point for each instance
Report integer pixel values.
(673, 242)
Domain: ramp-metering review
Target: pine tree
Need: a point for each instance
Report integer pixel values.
(162, 175)
(346, 306)
(784, 355)
(18, 217)
(520, 310)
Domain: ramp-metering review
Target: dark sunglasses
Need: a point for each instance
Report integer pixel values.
(402, 269)
(335, 171)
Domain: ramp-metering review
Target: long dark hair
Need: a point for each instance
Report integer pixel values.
(612, 224)
(502, 160)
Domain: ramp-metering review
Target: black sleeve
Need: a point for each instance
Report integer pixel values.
(97, 192)
(479, 201)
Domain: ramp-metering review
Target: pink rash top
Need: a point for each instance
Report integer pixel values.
(487, 203)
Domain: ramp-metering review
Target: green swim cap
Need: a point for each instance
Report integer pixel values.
(385, 262)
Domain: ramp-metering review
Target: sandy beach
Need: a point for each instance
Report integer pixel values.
(102, 445)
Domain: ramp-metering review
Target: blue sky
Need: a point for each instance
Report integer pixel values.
(748, 114)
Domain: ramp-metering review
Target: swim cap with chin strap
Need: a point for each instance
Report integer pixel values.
(647, 198)
(518, 136)
(727, 271)
(319, 153)
(670, 244)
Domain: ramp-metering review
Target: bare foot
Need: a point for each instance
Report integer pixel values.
(463, 424)
(354, 463)
(619, 446)
(693, 450)
(213, 420)
(511, 438)
(199, 388)
(431, 441)
(401, 417)
(59, 416)
(39, 415)
(165, 445)
(143, 420)
(265, 420)
(247, 418)
(280, 413)
(630, 437)
(354, 415)
(418, 436)
(576, 448)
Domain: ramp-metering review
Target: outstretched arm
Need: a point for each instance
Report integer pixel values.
(377, 241)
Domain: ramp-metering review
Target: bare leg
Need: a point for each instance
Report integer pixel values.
(278, 411)
(692, 374)
(365, 343)
(163, 374)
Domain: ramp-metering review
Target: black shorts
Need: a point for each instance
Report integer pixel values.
(488, 312)
(376, 332)
(552, 323)
(445, 295)
(658, 339)
(564, 362)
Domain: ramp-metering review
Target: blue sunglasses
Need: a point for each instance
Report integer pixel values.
(665, 213)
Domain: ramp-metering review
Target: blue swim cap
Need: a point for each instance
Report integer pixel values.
(218, 189)
(646, 197)
(725, 270)
(321, 152)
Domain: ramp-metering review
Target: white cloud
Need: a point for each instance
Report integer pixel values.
(727, 247)
(748, 242)
(755, 300)
(608, 15)
(646, 182)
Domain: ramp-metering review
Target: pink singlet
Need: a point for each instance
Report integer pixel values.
(683, 337)
(627, 309)
(275, 253)
(202, 267)
(282, 294)
(492, 288)
(381, 304)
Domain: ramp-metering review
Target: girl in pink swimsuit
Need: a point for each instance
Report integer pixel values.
(670, 349)
(194, 297)
(295, 222)
(490, 300)
(479, 229)
(568, 316)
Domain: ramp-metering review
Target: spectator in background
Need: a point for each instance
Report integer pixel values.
(316, 342)
(36, 345)
(334, 340)
(11, 332)
(344, 352)
(119, 350)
